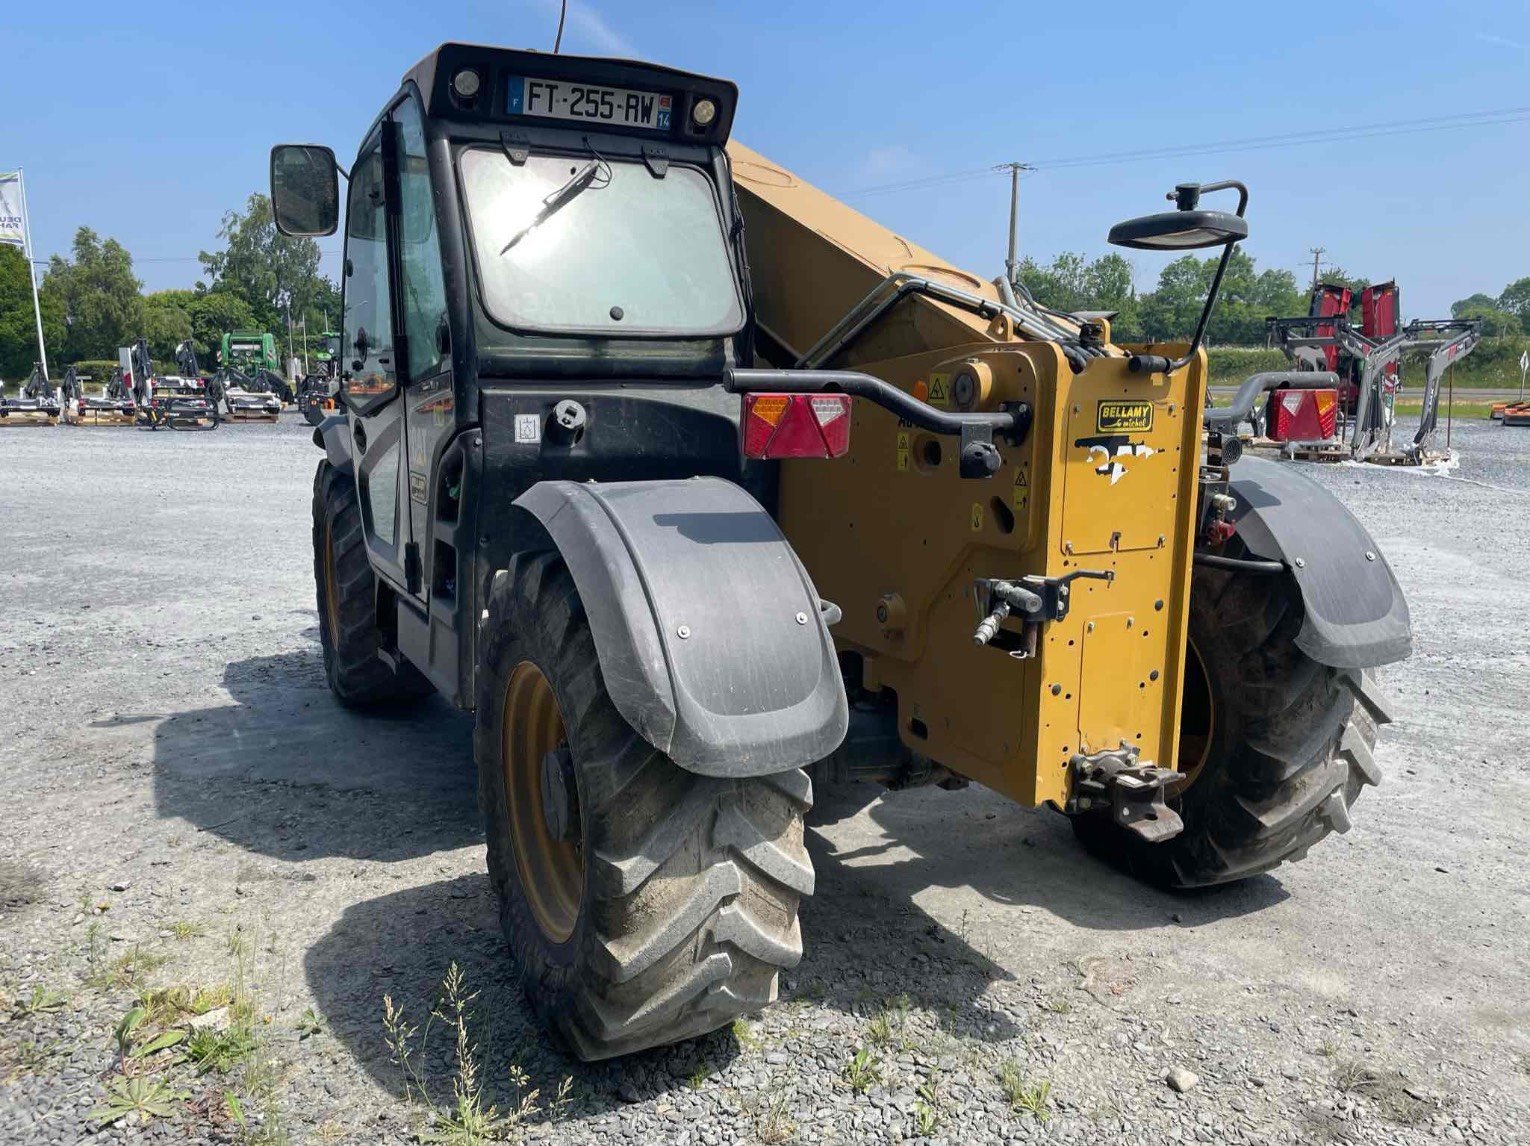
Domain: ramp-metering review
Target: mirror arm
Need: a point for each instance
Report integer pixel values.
(1220, 185)
(1157, 363)
(1211, 301)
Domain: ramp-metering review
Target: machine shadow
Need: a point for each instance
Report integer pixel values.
(1008, 855)
(401, 945)
(286, 772)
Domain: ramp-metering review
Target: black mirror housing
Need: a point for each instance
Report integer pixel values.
(1179, 231)
(305, 190)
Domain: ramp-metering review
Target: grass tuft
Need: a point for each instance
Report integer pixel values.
(1034, 1098)
(863, 1071)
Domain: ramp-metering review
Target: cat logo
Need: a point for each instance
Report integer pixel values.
(1108, 452)
(1114, 416)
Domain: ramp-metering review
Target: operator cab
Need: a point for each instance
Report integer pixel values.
(582, 207)
(543, 280)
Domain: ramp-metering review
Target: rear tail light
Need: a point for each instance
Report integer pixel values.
(796, 425)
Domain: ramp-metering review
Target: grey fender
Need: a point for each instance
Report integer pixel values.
(333, 436)
(1356, 616)
(709, 633)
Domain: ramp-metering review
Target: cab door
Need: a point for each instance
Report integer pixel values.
(369, 367)
(426, 358)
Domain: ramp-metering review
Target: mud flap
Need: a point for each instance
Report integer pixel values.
(712, 641)
(1356, 617)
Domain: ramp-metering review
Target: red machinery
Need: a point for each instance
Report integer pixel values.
(1368, 360)
(1303, 415)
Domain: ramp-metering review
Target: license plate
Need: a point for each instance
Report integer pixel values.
(559, 99)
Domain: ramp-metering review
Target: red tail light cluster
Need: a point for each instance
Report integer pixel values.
(796, 425)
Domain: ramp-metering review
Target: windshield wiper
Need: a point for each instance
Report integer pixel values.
(557, 201)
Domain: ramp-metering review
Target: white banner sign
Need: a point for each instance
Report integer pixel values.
(11, 224)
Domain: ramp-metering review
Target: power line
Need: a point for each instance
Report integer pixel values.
(1489, 118)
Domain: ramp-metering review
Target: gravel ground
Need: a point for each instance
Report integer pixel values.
(185, 804)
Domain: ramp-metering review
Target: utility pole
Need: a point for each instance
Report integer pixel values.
(1317, 257)
(1011, 264)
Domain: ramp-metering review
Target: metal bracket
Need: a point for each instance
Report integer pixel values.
(1034, 599)
(657, 159)
(517, 147)
(1135, 792)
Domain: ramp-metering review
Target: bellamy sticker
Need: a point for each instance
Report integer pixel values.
(1115, 416)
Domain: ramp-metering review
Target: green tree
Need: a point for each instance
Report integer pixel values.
(1338, 276)
(1071, 282)
(1477, 301)
(165, 326)
(97, 295)
(18, 325)
(1174, 306)
(1516, 300)
(1247, 297)
(1496, 323)
(261, 266)
(211, 314)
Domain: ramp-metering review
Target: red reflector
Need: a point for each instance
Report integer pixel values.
(796, 425)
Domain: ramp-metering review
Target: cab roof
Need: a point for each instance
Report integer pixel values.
(498, 68)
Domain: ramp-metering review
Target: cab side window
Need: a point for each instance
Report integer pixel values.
(368, 304)
(367, 350)
(421, 278)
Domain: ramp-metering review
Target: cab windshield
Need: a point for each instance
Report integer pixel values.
(627, 254)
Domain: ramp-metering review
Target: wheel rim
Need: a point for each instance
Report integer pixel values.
(551, 871)
(331, 583)
(1197, 717)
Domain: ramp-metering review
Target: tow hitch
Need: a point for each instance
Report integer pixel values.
(1135, 792)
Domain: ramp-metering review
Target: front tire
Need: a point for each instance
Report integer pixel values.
(347, 599)
(669, 905)
(1277, 746)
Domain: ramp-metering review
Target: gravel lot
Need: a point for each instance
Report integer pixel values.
(184, 804)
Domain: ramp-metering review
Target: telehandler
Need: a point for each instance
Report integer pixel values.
(686, 480)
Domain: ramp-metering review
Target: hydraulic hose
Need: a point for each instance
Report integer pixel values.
(1256, 384)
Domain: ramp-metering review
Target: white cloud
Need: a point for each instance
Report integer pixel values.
(1502, 42)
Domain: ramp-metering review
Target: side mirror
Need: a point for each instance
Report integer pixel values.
(1185, 229)
(1179, 231)
(305, 192)
(1188, 227)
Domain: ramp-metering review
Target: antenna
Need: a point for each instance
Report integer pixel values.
(562, 15)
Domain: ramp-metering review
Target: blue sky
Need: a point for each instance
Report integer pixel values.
(146, 121)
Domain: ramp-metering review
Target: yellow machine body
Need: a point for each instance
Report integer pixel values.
(1105, 481)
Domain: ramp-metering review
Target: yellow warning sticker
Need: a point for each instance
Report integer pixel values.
(1019, 494)
(903, 454)
(977, 516)
(940, 389)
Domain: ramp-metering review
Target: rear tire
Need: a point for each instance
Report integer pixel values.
(1278, 746)
(347, 598)
(682, 907)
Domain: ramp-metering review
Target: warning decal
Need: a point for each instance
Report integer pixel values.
(902, 451)
(1018, 494)
(977, 516)
(940, 389)
(1115, 416)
